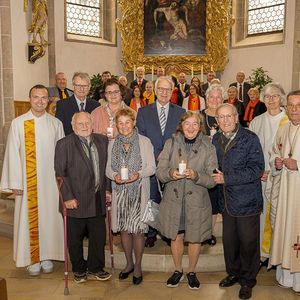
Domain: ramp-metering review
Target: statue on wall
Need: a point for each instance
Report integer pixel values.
(39, 18)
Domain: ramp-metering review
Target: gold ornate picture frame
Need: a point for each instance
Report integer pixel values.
(131, 26)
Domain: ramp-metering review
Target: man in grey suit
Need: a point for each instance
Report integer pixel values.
(60, 89)
(80, 160)
(158, 121)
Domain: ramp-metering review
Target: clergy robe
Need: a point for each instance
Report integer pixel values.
(48, 130)
(286, 234)
(265, 126)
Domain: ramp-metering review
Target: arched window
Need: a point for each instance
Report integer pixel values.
(265, 16)
(90, 20)
(258, 22)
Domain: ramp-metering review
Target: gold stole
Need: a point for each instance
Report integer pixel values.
(267, 235)
(31, 180)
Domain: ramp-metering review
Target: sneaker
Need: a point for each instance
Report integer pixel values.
(101, 275)
(175, 279)
(193, 281)
(34, 270)
(80, 277)
(47, 266)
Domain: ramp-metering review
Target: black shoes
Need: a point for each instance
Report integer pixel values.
(174, 280)
(245, 292)
(124, 275)
(193, 281)
(228, 281)
(211, 242)
(137, 280)
(150, 242)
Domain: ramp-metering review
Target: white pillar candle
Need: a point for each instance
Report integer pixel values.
(110, 132)
(124, 173)
(181, 167)
(192, 71)
(212, 67)
(134, 70)
(201, 75)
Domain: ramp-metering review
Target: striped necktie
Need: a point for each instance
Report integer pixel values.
(162, 119)
(81, 106)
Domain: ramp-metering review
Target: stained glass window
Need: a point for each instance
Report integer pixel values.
(83, 17)
(265, 16)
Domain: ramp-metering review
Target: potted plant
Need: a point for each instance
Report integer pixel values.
(259, 78)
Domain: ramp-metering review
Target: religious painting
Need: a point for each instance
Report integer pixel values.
(174, 27)
(180, 35)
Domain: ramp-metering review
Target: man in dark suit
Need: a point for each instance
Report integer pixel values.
(210, 76)
(158, 122)
(128, 91)
(243, 87)
(182, 85)
(60, 89)
(78, 102)
(139, 81)
(80, 160)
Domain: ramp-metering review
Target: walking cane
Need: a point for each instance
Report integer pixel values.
(110, 237)
(59, 181)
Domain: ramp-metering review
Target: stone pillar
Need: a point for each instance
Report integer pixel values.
(51, 40)
(6, 75)
(296, 45)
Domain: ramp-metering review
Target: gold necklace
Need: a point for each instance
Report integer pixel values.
(292, 143)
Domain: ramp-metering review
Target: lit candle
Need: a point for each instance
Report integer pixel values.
(201, 75)
(134, 70)
(110, 132)
(124, 173)
(192, 73)
(152, 73)
(181, 167)
(212, 67)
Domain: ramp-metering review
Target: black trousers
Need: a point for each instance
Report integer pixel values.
(96, 231)
(241, 247)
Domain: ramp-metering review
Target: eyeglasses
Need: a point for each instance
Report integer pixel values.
(164, 90)
(81, 86)
(273, 97)
(291, 106)
(223, 117)
(112, 93)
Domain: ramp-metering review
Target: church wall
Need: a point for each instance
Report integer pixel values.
(25, 74)
(77, 56)
(277, 59)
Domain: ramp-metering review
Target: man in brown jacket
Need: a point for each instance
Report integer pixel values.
(80, 159)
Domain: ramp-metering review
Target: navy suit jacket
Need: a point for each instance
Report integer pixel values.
(65, 109)
(135, 83)
(147, 122)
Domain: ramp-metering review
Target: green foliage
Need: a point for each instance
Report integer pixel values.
(96, 81)
(259, 78)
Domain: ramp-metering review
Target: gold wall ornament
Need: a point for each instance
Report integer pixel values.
(39, 18)
(131, 26)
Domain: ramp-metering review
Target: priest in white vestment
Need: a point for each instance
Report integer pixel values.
(265, 126)
(285, 163)
(28, 171)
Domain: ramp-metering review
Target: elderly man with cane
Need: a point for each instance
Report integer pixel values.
(80, 160)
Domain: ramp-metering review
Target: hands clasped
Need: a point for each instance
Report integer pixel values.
(188, 173)
(131, 178)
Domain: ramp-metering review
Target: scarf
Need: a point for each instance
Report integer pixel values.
(194, 103)
(248, 117)
(232, 101)
(149, 98)
(131, 159)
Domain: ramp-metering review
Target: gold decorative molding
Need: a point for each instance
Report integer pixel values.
(218, 23)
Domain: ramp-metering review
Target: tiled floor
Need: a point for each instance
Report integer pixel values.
(51, 286)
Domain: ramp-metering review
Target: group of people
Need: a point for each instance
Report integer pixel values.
(195, 161)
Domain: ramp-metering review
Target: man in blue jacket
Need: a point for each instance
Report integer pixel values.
(241, 164)
(158, 122)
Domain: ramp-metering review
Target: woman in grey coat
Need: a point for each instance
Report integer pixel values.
(185, 167)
